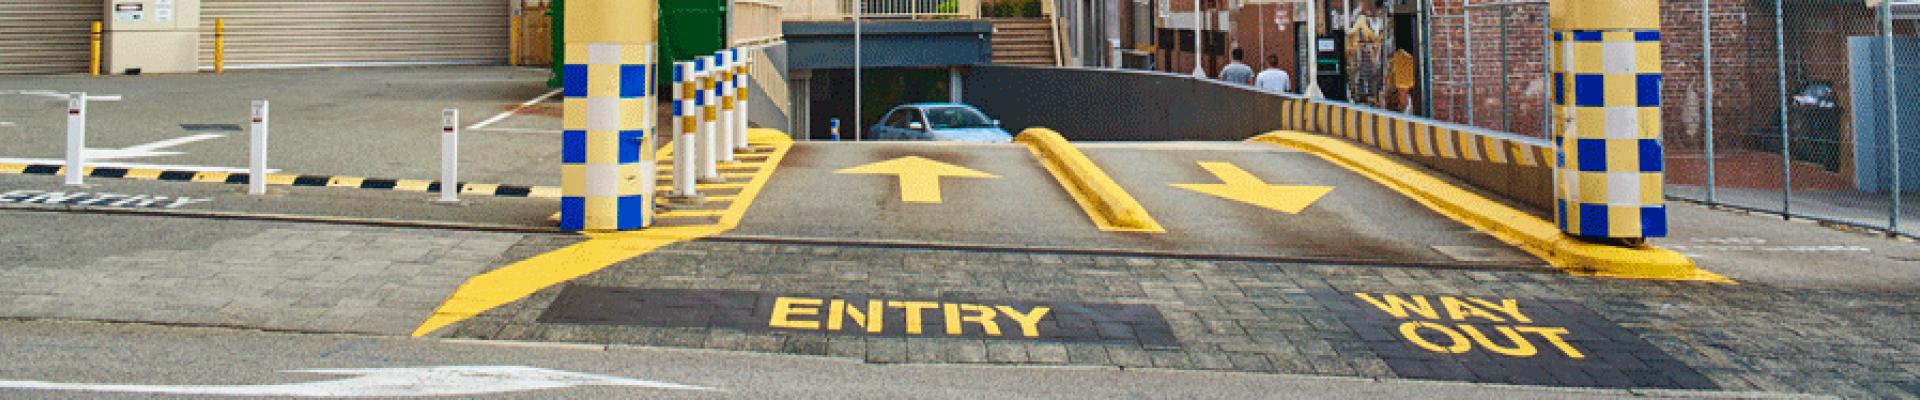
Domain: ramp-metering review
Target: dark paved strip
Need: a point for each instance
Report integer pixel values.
(311, 180)
(42, 169)
(108, 173)
(869, 316)
(177, 176)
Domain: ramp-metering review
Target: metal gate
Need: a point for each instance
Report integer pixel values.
(46, 36)
(320, 33)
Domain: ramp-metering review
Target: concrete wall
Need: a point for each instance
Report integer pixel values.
(1124, 105)
(761, 111)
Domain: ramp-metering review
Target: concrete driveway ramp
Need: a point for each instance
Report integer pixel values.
(1225, 200)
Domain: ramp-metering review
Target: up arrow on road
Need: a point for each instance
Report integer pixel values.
(1239, 185)
(919, 177)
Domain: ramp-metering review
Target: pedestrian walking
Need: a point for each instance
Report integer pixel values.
(1272, 79)
(1237, 72)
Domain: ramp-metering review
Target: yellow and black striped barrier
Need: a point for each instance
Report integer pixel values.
(240, 178)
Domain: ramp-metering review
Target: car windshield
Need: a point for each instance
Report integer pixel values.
(956, 117)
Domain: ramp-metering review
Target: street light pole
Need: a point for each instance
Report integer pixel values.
(858, 7)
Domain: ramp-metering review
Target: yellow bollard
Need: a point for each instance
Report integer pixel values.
(220, 46)
(513, 37)
(93, 63)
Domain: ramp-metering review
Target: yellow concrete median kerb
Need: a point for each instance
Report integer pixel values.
(1109, 206)
(524, 278)
(1526, 231)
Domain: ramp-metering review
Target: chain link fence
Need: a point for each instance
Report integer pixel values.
(1781, 106)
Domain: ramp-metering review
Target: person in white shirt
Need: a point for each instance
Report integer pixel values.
(1273, 79)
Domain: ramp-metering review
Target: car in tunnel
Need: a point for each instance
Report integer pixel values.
(947, 122)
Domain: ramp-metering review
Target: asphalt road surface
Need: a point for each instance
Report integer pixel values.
(1358, 221)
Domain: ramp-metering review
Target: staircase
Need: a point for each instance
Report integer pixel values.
(1023, 41)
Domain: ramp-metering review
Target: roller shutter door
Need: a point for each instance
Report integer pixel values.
(283, 33)
(46, 36)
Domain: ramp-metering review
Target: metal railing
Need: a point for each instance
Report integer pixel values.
(1779, 106)
(837, 10)
(754, 22)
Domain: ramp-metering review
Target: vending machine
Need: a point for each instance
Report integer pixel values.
(1330, 64)
(151, 36)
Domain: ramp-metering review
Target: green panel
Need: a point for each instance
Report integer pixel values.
(688, 28)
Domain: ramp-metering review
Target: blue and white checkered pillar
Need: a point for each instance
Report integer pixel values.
(607, 163)
(1609, 168)
(742, 60)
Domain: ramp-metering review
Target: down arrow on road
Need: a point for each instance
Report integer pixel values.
(1239, 185)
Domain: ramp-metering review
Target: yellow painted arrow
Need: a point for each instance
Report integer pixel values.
(919, 177)
(1239, 185)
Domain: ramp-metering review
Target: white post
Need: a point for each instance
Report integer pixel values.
(740, 91)
(450, 156)
(257, 154)
(1198, 44)
(76, 137)
(709, 125)
(859, 7)
(686, 121)
(725, 88)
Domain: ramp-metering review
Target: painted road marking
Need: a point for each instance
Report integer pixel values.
(515, 110)
(521, 279)
(99, 199)
(146, 150)
(237, 178)
(1497, 339)
(382, 382)
(1239, 185)
(919, 177)
(861, 315)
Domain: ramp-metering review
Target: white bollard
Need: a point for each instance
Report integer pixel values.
(686, 121)
(76, 137)
(725, 75)
(740, 90)
(709, 125)
(450, 156)
(257, 154)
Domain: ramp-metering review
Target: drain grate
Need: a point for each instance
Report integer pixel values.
(211, 127)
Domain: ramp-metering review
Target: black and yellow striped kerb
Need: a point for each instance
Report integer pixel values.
(403, 185)
(1414, 136)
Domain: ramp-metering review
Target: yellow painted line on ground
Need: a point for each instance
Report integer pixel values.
(143, 174)
(281, 179)
(478, 188)
(728, 175)
(411, 185)
(919, 177)
(521, 279)
(13, 168)
(718, 186)
(1239, 185)
(211, 177)
(345, 181)
(690, 214)
(1109, 206)
(1515, 227)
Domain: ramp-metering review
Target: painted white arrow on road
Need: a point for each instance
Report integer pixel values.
(384, 382)
(146, 150)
